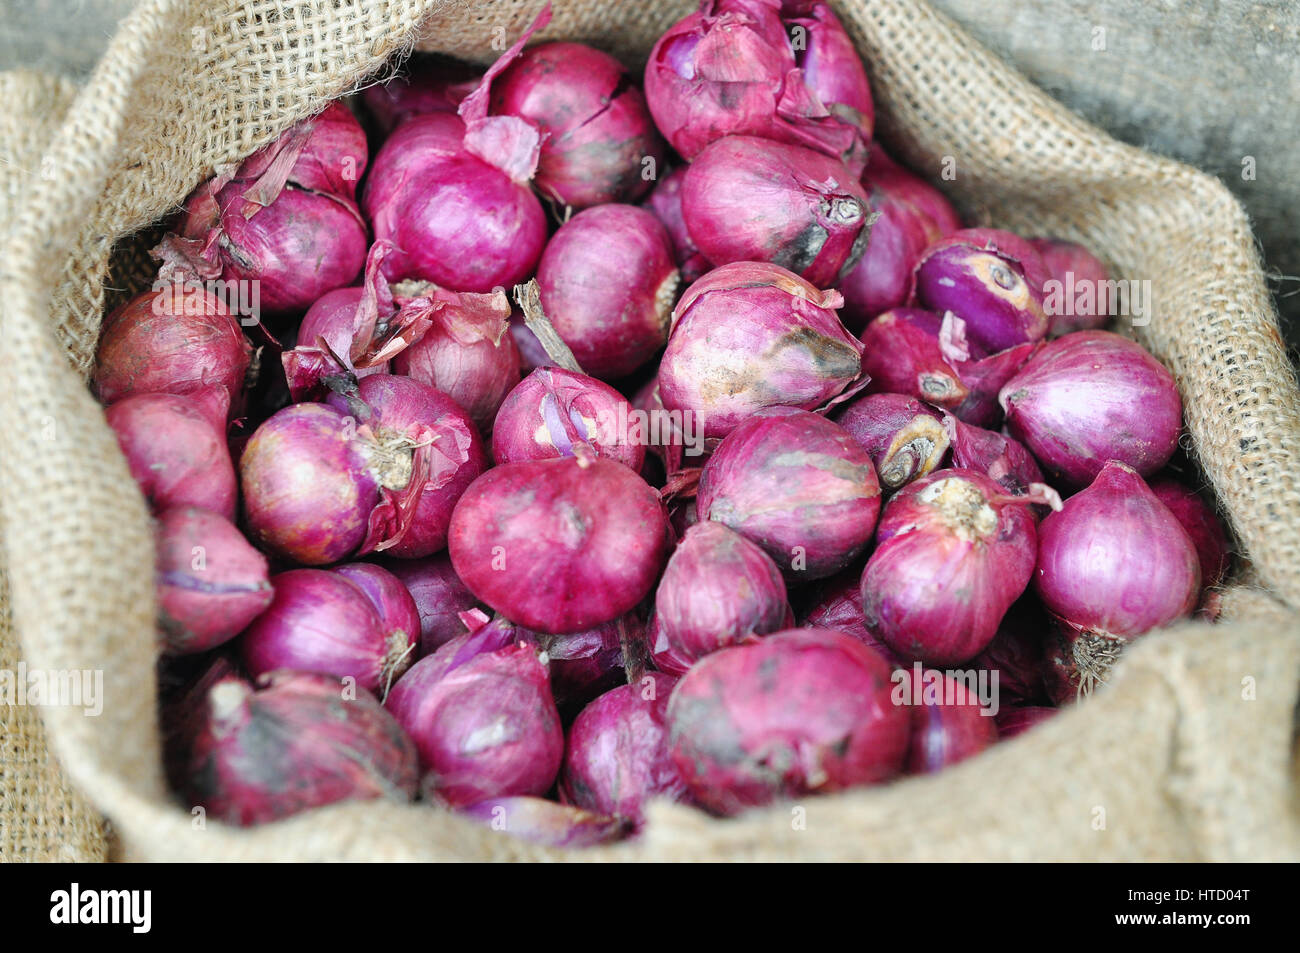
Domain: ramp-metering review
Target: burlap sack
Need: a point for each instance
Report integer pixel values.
(1187, 755)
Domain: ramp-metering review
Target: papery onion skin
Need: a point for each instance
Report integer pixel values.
(211, 582)
(559, 545)
(296, 742)
(600, 134)
(993, 280)
(718, 589)
(331, 318)
(751, 335)
(480, 712)
(607, 281)
(1071, 266)
(390, 599)
(308, 491)
(547, 823)
(749, 199)
(332, 159)
(797, 712)
(996, 455)
(666, 204)
(176, 456)
(440, 597)
(953, 552)
(540, 418)
(616, 755)
(948, 722)
(903, 436)
(796, 484)
(831, 66)
(1115, 561)
(172, 340)
(1016, 721)
(1094, 396)
(320, 621)
(661, 651)
(1203, 526)
(457, 221)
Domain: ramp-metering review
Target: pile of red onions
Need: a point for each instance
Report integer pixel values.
(542, 505)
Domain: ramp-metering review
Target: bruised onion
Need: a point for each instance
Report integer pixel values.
(797, 712)
(616, 756)
(294, 742)
(730, 68)
(718, 589)
(749, 199)
(1115, 562)
(176, 454)
(904, 438)
(210, 581)
(559, 545)
(174, 339)
(440, 597)
(798, 486)
(953, 552)
(750, 335)
(1074, 301)
(321, 621)
(607, 281)
(1202, 525)
(992, 280)
(559, 413)
(480, 712)
(1090, 397)
(666, 204)
(467, 352)
(949, 722)
(599, 140)
(544, 822)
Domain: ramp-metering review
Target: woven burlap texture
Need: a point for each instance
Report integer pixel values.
(41, 816)
(1188, 755)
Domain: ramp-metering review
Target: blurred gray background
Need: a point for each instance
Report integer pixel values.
(1215, 83)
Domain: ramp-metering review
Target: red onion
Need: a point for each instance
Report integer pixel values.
(1001, 459)
(480, 712)
(586, 664)
(429, 84)
(666, 203)
(559, 413)
(832, 69)
(467, 353)
(1202, 525)
(326, 153)
(796, 484)
(544, 822)
(1015, 721)
(607, 282)
(598, 132)
(750, 335)
(802, 711)
(918, 353)
(1079, 276)
(904, 437)
(390, 598)
(913, 215)
(1090, 397)
(559, 545)
(440, 597)
(296, 244)
(353, 331)
(953, 552)
(948, 722)
(210, 581)
(447, 455)
(176, 455)
(992, 280)
(321, 621)
(718, 589)
(616, 757)
(731, 69)
(661, 652)
(295, 742)
(174, 340)
(748, 199)
(1017, 655)
(836, 603)
(457, 220)
(1114, 562)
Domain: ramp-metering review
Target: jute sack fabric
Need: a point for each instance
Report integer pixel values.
(1187, 755)
(41, 816)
